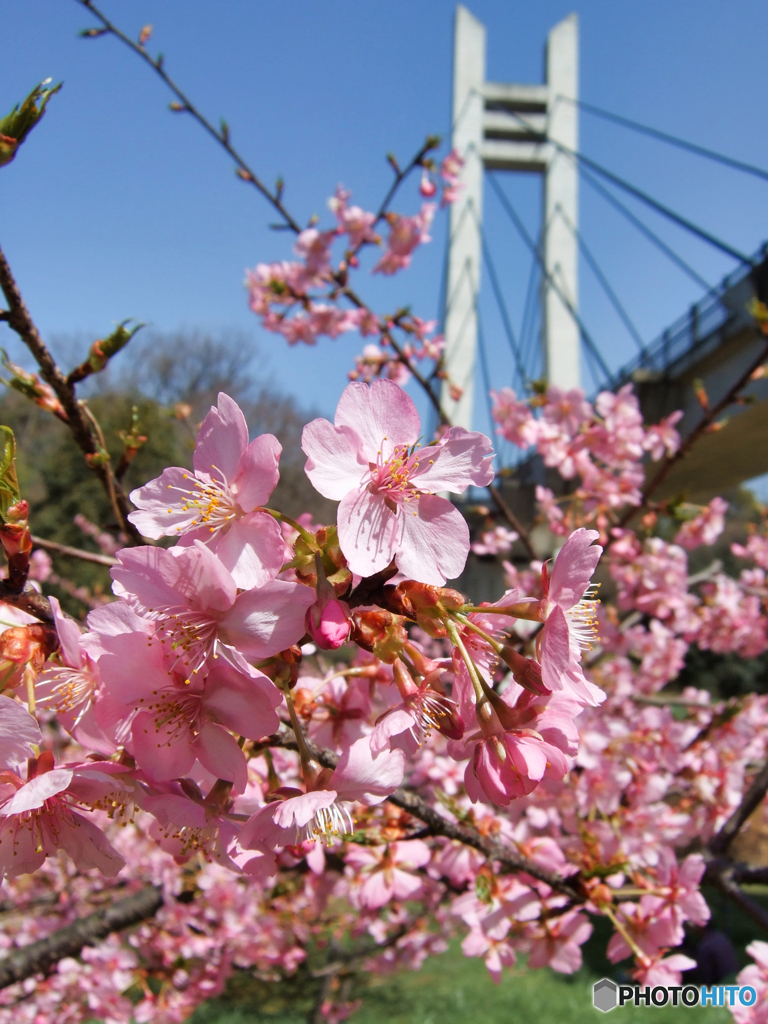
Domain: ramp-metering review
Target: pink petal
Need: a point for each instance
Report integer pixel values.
(257, 472)
(88, 846)
(222, 439)
(218, 751)
(171, 808)
(35, 792)
(575, 563)
(19, 731)
(163, 753)
(555, 650)
(160, 511)
(375, 891)
(69, 636)
(527, 756)
(411, 853)
(335, 462)
(368, 532)
(462, 458)
(394, 723)
(405, 885)
(299, 810)
(360, 776)
(159, 577)
(434, 542)
(246, 705)
(132, 668)
(267, 620)
(251, 549)
(382, 414)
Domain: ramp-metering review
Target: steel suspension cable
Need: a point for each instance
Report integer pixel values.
(605, 284)
(644, 197)
(673, 140)
(585, 335)
(645, 230)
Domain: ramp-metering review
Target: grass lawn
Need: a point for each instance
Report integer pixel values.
(452, 989)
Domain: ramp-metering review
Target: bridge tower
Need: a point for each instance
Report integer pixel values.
(511, 127)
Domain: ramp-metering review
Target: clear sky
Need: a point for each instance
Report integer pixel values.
(118, 208)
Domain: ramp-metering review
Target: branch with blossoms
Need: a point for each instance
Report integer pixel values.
(299, 732)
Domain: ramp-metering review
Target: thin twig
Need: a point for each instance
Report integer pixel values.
(21, 322)
(188, 107)
(65, 549)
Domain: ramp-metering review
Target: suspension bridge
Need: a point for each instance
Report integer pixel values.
(510, 127)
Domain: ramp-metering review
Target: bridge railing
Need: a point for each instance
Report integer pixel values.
(689, 331)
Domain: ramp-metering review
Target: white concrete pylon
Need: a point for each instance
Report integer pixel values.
(464, 249)
(503, 126)
(562, 352)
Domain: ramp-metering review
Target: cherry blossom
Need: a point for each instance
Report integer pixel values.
(219, 504)
(370, 459)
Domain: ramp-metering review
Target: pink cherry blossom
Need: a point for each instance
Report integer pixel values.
(371, 460)
(198, 612)
(569, 616)
(175, 722)
(322, 813)
(384, 873)
(219, 503)
(705, 528)
(37, 816)
(405, 234)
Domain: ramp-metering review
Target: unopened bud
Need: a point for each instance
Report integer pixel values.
(379, 631)
(24, 650)
(525, 671)
(329, 623)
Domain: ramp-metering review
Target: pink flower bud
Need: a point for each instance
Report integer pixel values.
(328, 623)
(427, 186)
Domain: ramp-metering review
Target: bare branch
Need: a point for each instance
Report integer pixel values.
(39, 957)
(188, 107)
(21, 322)
(65, 549)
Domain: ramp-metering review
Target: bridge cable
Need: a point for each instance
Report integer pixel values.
(500, 302)
(638, 193)
(585, 335)
(673, 140)
(528, 312)
(645, 230)
(605, 284)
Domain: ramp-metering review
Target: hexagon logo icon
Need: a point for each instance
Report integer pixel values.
(604, 995)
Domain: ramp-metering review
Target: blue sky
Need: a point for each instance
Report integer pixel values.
(117, 208)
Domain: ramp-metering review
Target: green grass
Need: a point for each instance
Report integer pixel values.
(452, 989)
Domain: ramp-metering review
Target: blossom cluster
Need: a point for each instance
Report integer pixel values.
(161, 734)
(301, 299)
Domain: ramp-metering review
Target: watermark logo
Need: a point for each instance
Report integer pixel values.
(607, 995)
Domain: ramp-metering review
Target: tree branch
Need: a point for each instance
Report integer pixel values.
(21, 322)
(754, 796)
(408, 801)
(65, 549)
(39, 957)
(221, 137)
(27, 600)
